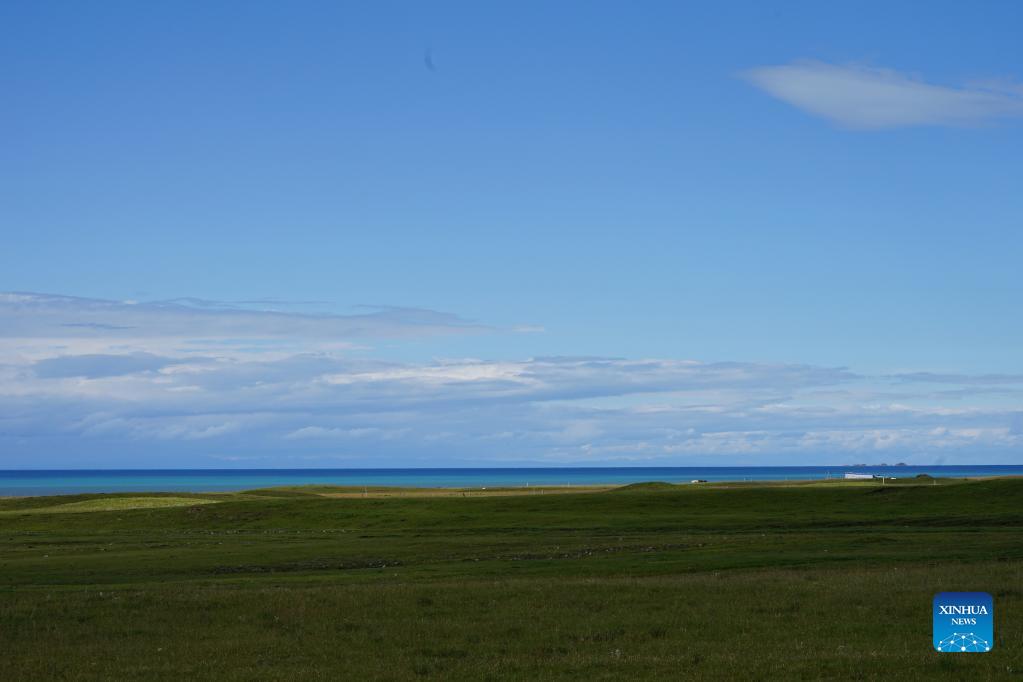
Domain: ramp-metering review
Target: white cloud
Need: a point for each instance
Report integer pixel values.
(869, 97)
(313, 432)
(100, 365)
(96, 325)
(151, 399)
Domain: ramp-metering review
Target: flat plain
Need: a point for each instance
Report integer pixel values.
(649, 581)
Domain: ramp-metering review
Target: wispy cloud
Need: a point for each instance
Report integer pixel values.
(37, 326)
(152, 397)
(96, 366)
(32, 315)
(960, 379)
(867, 97)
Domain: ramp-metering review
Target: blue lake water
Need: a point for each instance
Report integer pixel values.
(57, 482)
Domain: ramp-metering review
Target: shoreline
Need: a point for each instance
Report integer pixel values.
(385, 491)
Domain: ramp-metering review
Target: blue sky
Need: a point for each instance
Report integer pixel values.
(385, 234)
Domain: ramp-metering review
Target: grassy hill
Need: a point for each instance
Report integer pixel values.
(757, 581)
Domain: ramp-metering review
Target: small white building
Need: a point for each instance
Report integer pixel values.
(860, 476)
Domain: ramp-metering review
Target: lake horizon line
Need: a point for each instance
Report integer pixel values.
(30, 482)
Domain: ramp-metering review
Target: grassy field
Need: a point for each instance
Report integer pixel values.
(744, 581)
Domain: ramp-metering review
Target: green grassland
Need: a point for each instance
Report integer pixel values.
(743, 581)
